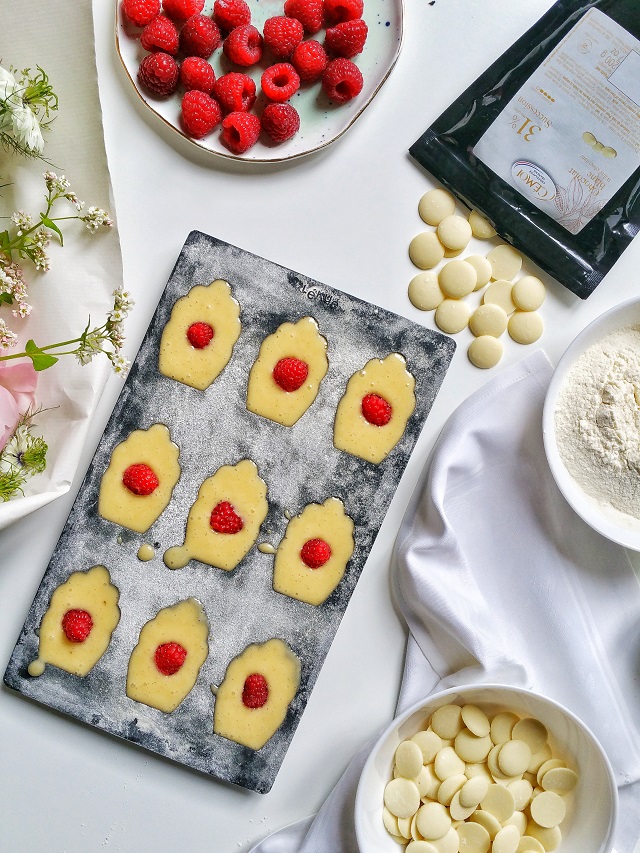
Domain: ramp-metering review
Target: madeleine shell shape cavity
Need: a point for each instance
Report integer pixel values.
(213, 305)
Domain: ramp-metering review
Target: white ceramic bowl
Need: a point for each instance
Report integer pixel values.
(593, 805)
(626, 314)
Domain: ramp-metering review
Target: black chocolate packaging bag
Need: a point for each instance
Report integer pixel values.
(546, 143)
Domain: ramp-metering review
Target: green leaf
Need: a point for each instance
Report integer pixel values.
(31, 346)
(6, 297)
(42, 360)
(49, 223)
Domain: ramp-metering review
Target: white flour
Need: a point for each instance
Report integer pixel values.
(598, 423)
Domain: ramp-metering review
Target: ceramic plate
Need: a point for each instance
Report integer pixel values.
(321, 121)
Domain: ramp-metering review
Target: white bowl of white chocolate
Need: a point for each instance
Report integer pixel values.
(486, 769)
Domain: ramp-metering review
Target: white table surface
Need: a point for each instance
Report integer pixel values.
(344, 217)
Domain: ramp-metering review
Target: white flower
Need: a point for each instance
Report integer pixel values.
(11, 456)
(8, 85)
(26, 129)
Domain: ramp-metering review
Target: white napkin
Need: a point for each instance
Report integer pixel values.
(500, 581)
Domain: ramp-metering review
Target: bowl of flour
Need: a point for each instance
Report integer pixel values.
(591, 424)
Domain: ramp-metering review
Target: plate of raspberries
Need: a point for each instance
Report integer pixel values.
(258, 80)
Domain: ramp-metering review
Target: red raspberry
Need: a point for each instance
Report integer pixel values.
(337, 11)
(159, 73)
(280, 82)
(309, 59)
(200, 335)
(229, 14)
(200, 113)
(290, 373)
(342, 80)
(376, 410)
(140, 479)
(235, 92)
(180, 10)
(346, 39)
(243, 45)
(280, 122)
(141, 12)
(199, 36)
(315, 553)
(160, 34)
(224, 519)
(196, 73)
(240, 130)
(255, 691)
(77, 625)
(169, 657)
(310, 13)
(282, 35)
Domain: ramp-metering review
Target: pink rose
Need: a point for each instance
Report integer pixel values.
(17, 392)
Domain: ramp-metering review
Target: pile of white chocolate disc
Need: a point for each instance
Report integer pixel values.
(474, 783)
(506, 304)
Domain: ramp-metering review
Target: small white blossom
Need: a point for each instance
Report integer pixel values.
(95, 217)
(7, 337)
(120, 364)
(26, 129)
(22, 220)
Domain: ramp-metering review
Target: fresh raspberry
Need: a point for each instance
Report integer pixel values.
(159, 73)
(342, 80)
(240, 130)
(180, 10)
(77, 625)
(337, 11)
(255, 691)
(309, 59)
(235, 92)
(224, 519)
(169, 657)
(280, 122)
(280, 82)
(282, 35)
(243, 45)
(200, 113)
(376, 410)
(346, 39)
(229, 14)
(310, 13)
(199, 36)
(200, 335)
(290, 373)
(196, 73)
(160, 34)
(141, 12)
(315, 553)
(140, 479)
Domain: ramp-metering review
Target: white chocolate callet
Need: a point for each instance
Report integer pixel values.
(474, 791)
(488, 821)
(488, 319)
(529, 844)
(478, 769)
(404, 827)
(560, 780)
(548, 809)
(452, 253)
(505, 262)
(390, 822)
(449, 843)
(409, 759)
(482, 267)
(522, 792)
(449, 787)
(430, 743)
(457, 810)
(454, 232)
(506, 840)
(589, 138)
(401, 797)
(435, 205)
(452, 316)
(420, 846)
(457, 279)
(499, 293)
(492, 762)
(528, 293)
(550, 764)
(474, 838)
(514, 757)
(447, 763)
(425, 250)
(485, 351)
(549, 838)
(609, 152)
(519, 820)
(498, 801)
(446, 721)
(475, 720)
(539, 758)
(502, 725)
(427, 782)
(525, 327)
(480, 226)
(424, 291)
(433, 821)
(532, 732)
(415, 835)
(471, 748)
(598, 146)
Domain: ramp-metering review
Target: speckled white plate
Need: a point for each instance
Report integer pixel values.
(321, 121)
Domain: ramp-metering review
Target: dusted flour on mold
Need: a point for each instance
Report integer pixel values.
(597, 422)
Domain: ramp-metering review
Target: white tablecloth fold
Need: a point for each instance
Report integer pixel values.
(500, 581)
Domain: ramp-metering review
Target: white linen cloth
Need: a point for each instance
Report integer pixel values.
(500, 581)
(58, 36)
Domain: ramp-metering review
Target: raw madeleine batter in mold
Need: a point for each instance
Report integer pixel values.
(286, 376)
(137, 486)
(171, 649)
(225, 519)
(77, 627)
(314, 553)
(258, 687)
(373, 413)
(198, 340)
